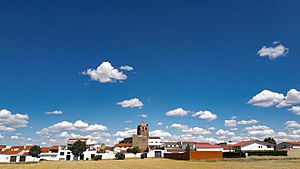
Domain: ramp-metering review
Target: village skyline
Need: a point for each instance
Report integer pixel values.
(94, 70)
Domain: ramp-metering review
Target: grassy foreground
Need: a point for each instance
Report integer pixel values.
(161, 164)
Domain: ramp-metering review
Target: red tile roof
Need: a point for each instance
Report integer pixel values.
(2, 147)
(206, 145)
(27, 147)
(123, 145)
(294, 143)
(45, 149)
(54, 148)
(11, 152)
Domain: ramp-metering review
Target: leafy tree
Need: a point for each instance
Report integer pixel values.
(133, 150)
(35, 151)
(270, 140)
(120, 156)
(78, 148)
(188, 148)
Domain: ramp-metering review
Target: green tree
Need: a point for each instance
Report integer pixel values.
(35, 151)
(78, 148)
(270, 140)
(188, 148)
(133, 150)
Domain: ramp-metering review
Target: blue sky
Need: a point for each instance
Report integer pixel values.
(201, 58)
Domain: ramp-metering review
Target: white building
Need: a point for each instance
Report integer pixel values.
(154, 142)
(207, 147)
(253, 145)
(288, 145)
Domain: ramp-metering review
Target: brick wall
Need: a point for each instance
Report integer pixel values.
(194, 155)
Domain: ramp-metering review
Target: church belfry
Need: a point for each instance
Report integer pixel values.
(143, 129)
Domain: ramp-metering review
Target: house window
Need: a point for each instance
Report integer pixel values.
(62, 153)
(268, 146)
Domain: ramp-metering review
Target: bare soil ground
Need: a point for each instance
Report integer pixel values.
(279, 163)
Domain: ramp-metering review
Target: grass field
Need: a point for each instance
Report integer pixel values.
(162, 164)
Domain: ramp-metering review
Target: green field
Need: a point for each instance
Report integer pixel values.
(162, 164)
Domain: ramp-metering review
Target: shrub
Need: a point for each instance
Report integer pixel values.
(97, 157)
(144, 155)
(234, 155)
(267, 153)
(133, 150)
(120, 156)
(35, 151)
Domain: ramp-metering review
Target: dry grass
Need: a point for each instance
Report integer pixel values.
(162, 164)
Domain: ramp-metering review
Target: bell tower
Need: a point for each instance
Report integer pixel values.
(143, 129)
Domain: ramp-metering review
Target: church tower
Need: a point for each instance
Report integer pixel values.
(143, 129)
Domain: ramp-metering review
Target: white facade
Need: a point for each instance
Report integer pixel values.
(209, 149)
(255, 146)
(154, 141)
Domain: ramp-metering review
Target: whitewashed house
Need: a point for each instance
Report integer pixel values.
(288, 145)
(253, 145)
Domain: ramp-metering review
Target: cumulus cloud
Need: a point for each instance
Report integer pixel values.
(274, 51)
(292, 125)
(127, 68)
(76, 126)
(292, 97)
(230, 123)
(10, 121)
(179, 126)
(205, 115)
(295, 110)
(247, 122)
(54, 112)
(160, 133)
(159, 123)
(196, 131)
(224, 133)
(1, 137)
(260, 131)
(266, 98)
(132, 103)
(127, 133)
(14, 137)
(177, 112)
(105, 73)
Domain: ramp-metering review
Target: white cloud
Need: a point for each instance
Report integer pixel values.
(127, 133)
(159, 123)
(224, 133)
(144, 115)
(292, 98)
(1, 137)
(295, 110)
(78, 125)
(54, 112)
(179, 126)
(128, 68)
(131, 103)
(260, 131)
(247, 122)
(177, 112)
(274, 51)
(128, 121)
(96, 127)
(160, 133)
(14, 137)
(211, 128)
(196, 130)
(10, 122)
(205, 115)
(105, 73)
(266, 98)
(292, 125)
(230, 123)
